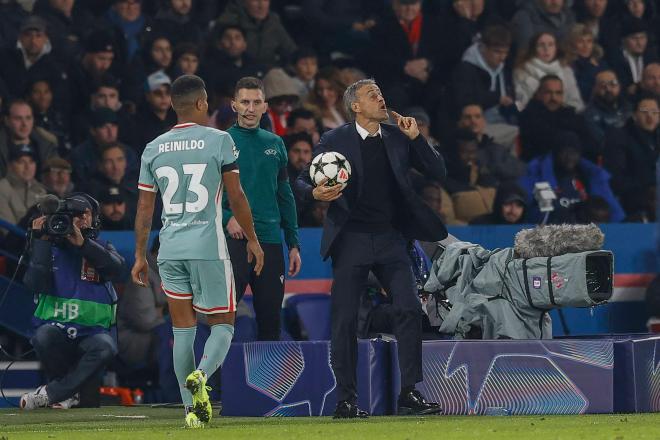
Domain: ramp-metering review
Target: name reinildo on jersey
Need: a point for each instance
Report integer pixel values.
(187, 144)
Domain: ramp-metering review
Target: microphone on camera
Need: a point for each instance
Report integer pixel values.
(49, 204)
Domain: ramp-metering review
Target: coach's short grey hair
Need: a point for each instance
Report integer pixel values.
(350, 94)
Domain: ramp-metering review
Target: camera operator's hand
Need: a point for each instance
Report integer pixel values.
(140, 271)
(38, 225)
(76, 238)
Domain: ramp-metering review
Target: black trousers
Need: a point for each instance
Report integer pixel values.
(267, 288)
(353, 256)
(69, 363)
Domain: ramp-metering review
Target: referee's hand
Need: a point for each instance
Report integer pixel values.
(326, 193)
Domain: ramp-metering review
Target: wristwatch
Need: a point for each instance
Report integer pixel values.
(294, 246)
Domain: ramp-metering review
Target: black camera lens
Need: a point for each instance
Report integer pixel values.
(59, 224)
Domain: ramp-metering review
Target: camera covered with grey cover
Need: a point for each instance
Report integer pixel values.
(507, 293)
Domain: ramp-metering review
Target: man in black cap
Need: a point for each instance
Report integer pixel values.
(106, 93)
(18, 129)
(114, 212)
(635, 52)
(104, 132)
(508, 208)
(31, 58)
(112, 170)
(98, 59)
(19, 190)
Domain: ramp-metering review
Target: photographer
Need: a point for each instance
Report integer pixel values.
(71, 270)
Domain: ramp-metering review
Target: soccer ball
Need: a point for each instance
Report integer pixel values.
(330, 165)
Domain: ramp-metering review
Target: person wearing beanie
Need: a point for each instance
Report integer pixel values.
(281, 95)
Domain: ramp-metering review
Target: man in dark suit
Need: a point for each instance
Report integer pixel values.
(368, 227)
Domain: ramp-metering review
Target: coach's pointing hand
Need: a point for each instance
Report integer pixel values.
(326, 193)
(407, 125)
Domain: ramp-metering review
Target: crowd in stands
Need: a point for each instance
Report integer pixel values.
(511, 92)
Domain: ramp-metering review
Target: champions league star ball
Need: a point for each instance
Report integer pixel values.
(332, 166)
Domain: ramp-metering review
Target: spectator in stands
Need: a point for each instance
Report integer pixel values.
(19, 130)
(72, 278)
(106, 94)
(306, 66)
(629, 59)
(541, 16)
(585, 57)
(326, 98)
(11, 17)
(299, 150)
(98, 60)
(227, 60)
(403, 53)
(423, 123)
(139, 312)
(631, 153)
(508, 207)
(547, 113)
(460, 27)
(303, 121)
(341, 25)
(267, 39)
(103, 133)
(469, 182)
(608, 108)
(156, 115)
(650, 84)
(115, 214)
(112, 172)
(350, 74)
(573, 178)
(30, 59)
(155, 56)
(483, 78)
(186, 59)
(643, 10)
(439, 200)
(56, 176)
(47, 117)
(282, 96)
(499, 160)
(19, 189)
(176, 20)
(67, 22)
(127, 17)
(542, 58)
(591, 14)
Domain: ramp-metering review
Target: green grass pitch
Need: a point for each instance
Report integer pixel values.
(159, 423)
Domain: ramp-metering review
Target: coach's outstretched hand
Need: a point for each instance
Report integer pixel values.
(326, 193)
(407, 125)
(254, 251)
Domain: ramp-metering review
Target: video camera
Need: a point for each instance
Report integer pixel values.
(61, 212)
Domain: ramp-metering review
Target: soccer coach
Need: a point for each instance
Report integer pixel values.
(368, 227)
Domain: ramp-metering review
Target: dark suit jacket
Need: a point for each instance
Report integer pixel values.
(420, 222)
